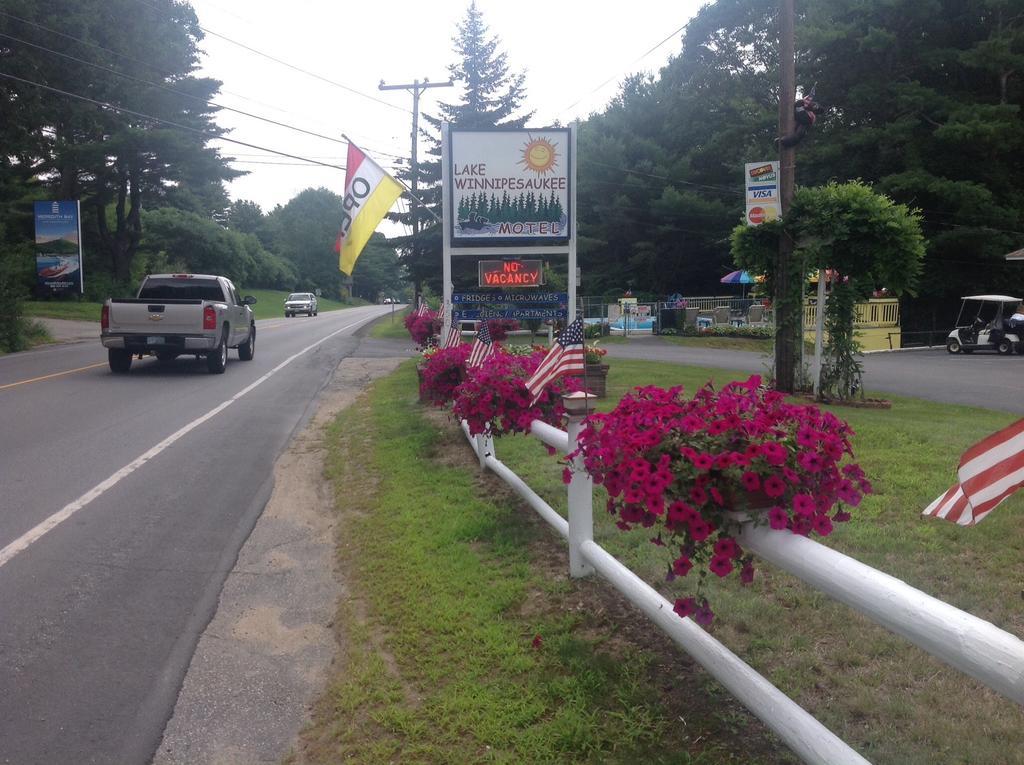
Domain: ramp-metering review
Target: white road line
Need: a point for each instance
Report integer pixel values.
(33, 535)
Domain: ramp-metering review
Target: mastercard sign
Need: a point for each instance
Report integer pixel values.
(758, 214)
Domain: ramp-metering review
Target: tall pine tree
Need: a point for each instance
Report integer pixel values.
(492, 95)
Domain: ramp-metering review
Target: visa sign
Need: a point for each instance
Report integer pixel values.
(762, 193)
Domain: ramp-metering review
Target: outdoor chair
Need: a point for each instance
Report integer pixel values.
(755, 314)
(691, 317)
(722, 315)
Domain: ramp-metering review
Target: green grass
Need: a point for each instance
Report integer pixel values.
(758, 345)
(269, 304)
(450, 582)
(390, 326)
(452, 577)
(62, 309)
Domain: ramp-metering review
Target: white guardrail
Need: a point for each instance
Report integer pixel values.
(972, 645)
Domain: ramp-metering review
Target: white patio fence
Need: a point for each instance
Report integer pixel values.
(972, 645)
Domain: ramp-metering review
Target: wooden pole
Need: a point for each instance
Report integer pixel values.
(786, 314)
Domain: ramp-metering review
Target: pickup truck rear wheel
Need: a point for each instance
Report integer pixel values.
(120, 360)
(217, 360)
(247, 349)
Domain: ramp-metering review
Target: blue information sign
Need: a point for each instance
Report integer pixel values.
(514, 298)
(58, 247)
(509, 312)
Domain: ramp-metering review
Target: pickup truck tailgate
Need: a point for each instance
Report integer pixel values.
(155, 317)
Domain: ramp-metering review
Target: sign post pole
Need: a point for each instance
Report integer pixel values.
(572, 280)
(446, 231)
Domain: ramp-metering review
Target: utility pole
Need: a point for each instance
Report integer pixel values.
(787, 315)
(416, 88)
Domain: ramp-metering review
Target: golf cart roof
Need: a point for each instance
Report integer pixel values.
(993, 298)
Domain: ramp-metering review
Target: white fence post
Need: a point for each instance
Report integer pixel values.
(484, 448)
(581, 488)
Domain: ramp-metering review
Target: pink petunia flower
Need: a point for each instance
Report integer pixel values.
(778, 518)
(774, 486)
(751, 481)
(699, 530)
(727, 547)
(822, 524)
(681, 566)
(704, 615)
(720, 565)
(685, 607)
(804, 504)
(703, 461)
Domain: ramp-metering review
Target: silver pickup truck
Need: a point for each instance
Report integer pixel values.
(179, 314)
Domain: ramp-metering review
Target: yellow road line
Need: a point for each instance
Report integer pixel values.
(55, 374)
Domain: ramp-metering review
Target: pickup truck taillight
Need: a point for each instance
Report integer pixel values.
(209, 317)
(105, 318)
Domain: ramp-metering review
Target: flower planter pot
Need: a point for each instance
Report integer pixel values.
(595, 379)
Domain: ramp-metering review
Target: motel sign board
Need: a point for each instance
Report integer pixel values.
(509, 187)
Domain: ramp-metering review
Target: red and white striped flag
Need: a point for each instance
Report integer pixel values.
(989, 472)
(565, 357)
(482, 347)
(454, 337)
(422, 309)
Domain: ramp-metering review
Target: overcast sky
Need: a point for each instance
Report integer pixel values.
(566, 49)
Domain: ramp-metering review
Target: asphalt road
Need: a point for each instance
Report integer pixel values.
(985, 380)
(124, 501)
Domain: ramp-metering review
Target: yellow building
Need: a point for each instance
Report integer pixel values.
(877, 324)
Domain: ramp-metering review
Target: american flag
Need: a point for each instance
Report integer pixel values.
(423, 309)
(454, 336)
(482, 347)
(989, 472)
(565, 357)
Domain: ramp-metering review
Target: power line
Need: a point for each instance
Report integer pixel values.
(160, 120)
(169, 89)
(616, 76)
(284, 63)
(732, 191)
(124, 56)
(148, 65)
(111, 70)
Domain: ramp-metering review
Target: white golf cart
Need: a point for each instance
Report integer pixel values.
(983, 325)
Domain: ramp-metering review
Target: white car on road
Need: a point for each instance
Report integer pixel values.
(300, 302)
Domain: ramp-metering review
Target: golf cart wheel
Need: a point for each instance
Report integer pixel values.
(953, 346)
(1004, 347)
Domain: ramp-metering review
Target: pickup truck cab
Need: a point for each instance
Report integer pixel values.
(179, 314)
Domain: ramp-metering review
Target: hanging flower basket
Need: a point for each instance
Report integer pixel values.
(595, 379)
(493, 398)
(442, 370)
(687, 466)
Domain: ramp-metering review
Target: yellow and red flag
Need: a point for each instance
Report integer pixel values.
(369, 194)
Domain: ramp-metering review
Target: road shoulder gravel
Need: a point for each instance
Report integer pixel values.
(263, 658)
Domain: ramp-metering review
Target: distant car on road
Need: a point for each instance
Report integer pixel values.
(388, 301)
(300, 302)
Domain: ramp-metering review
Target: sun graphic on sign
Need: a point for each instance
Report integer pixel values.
(539, 155)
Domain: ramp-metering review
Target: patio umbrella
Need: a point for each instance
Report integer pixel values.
(737, 277)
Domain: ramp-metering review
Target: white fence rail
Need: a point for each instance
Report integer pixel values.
(972, 645)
